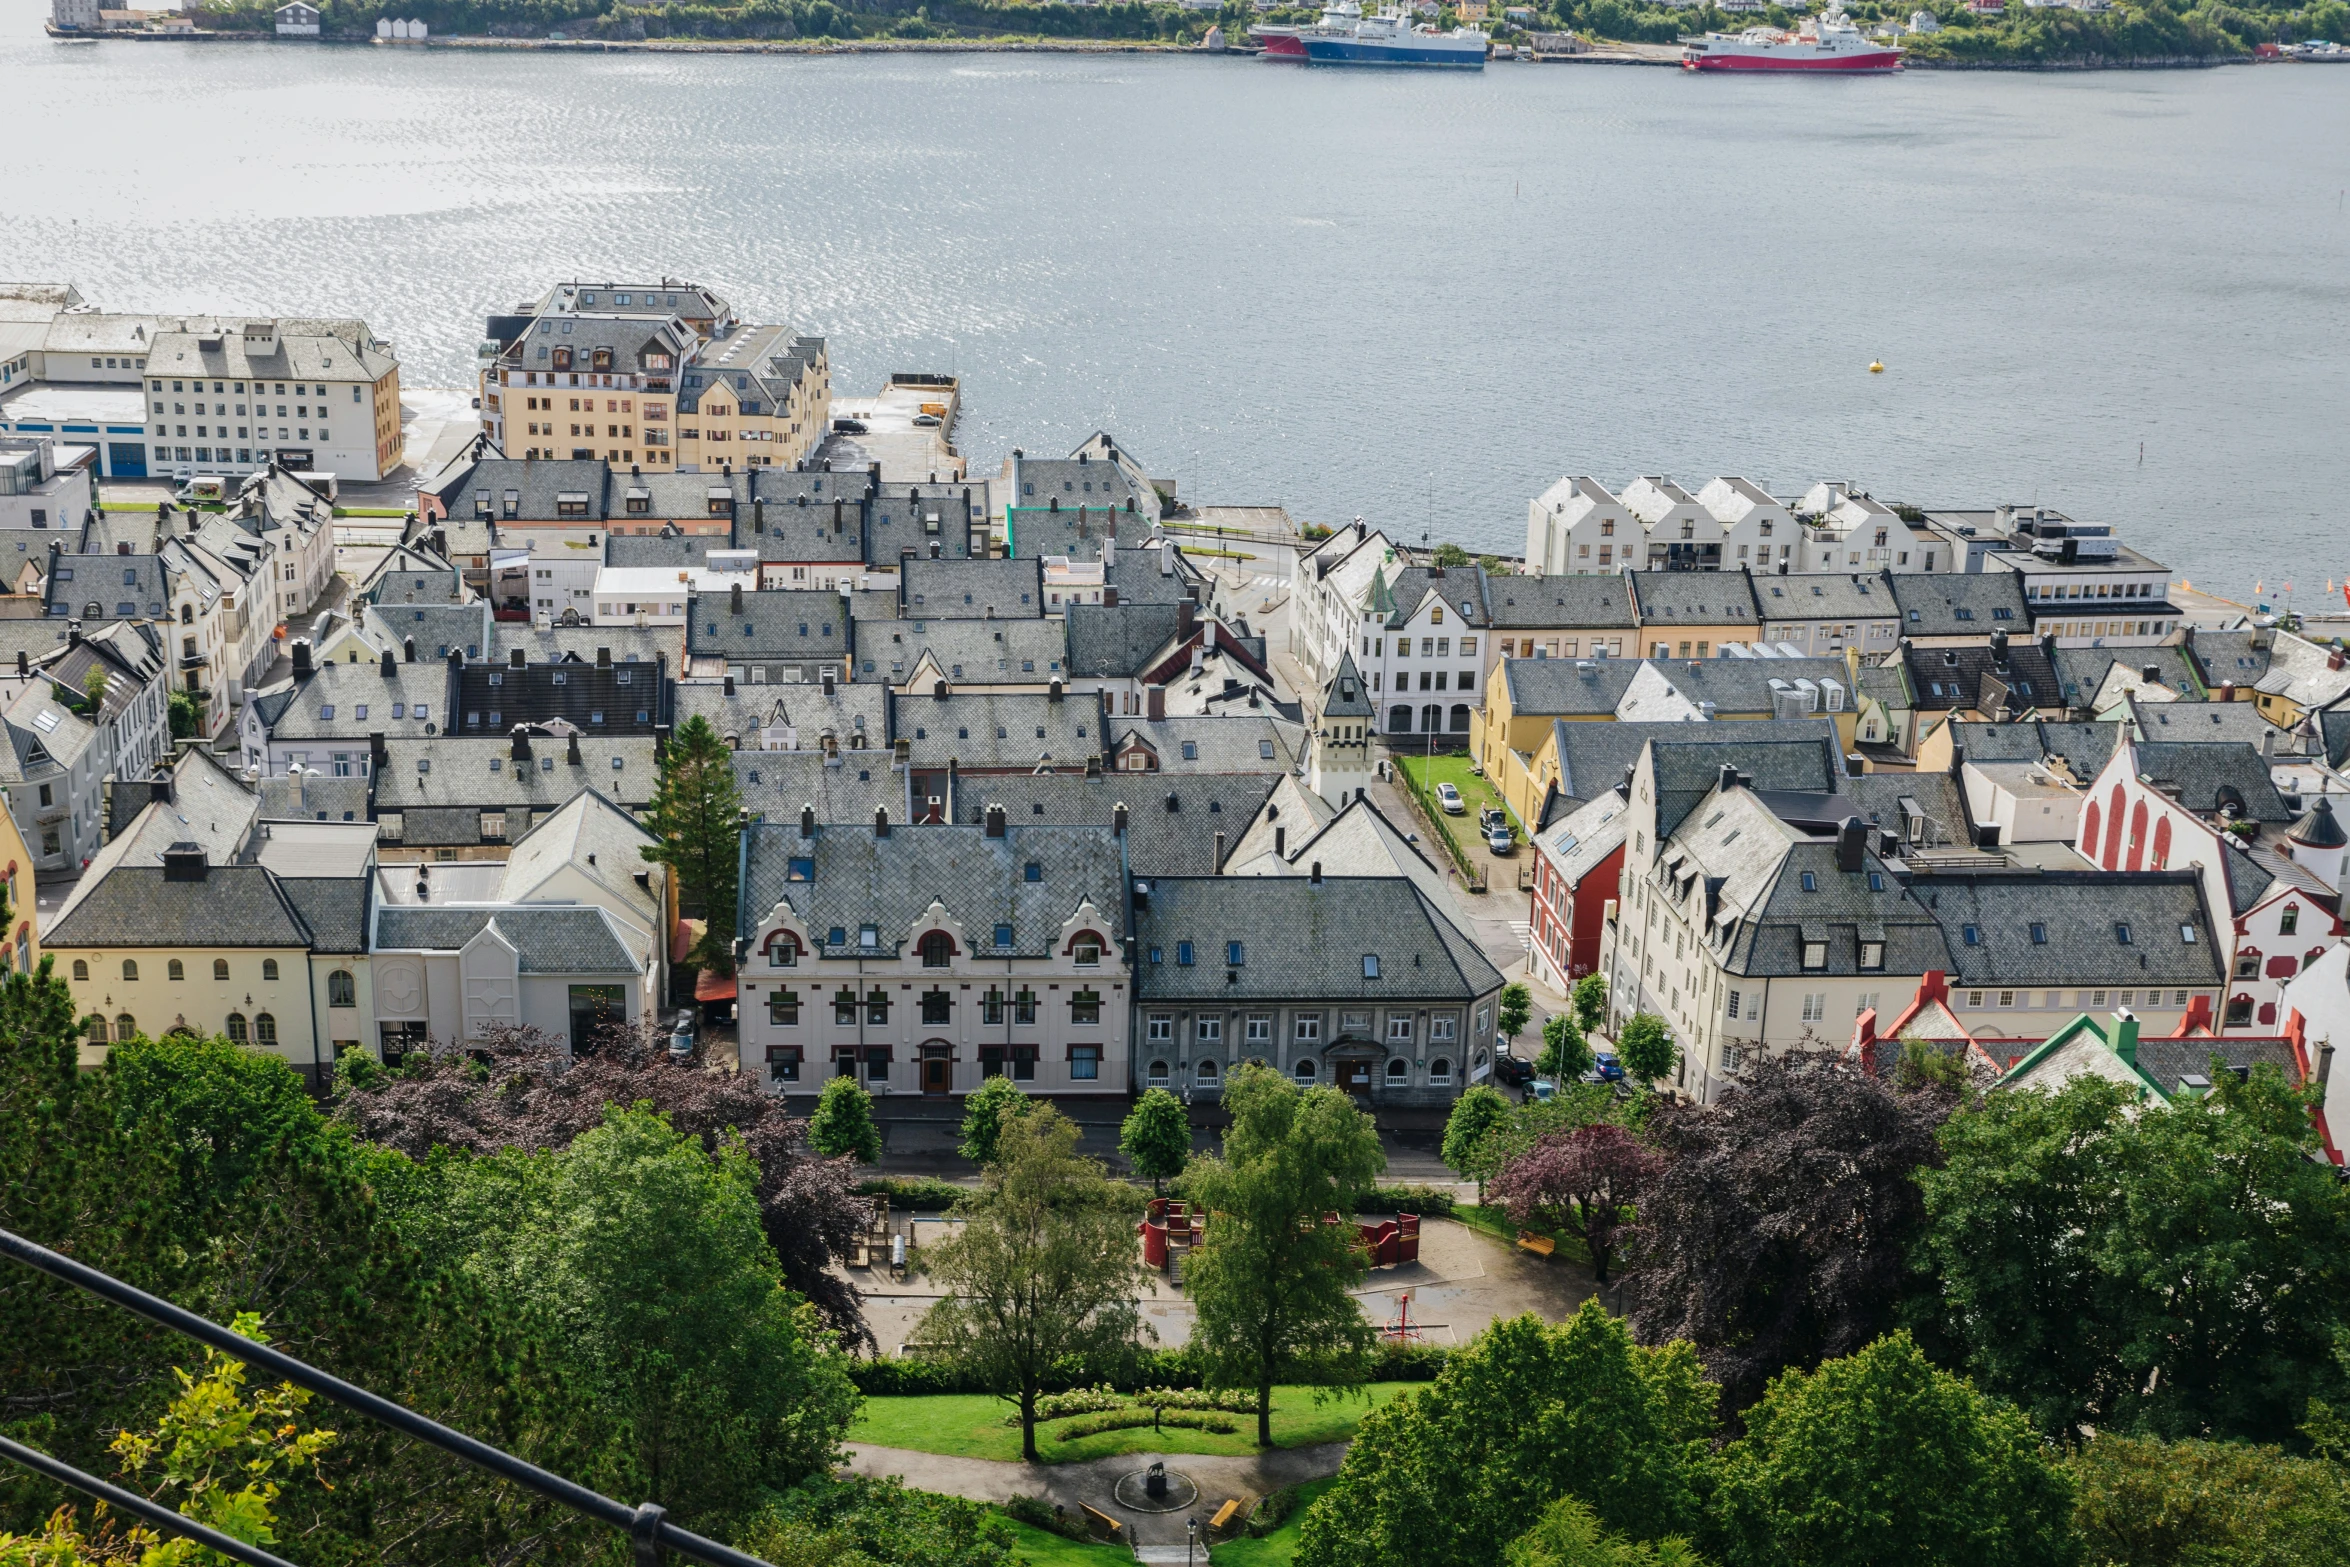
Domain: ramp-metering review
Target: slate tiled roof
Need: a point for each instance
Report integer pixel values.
(435, 629)
(2240, 721)
(1601, 603)
(2079, 915)
(1593, 757)
(2204, 775)
(2085, 747)
(2237, 658)
(977, 728)
(1960, 604)
(1666, 599)
(1006, 589)
(682, 550)
(481, 774)
(547, 938)
(2167, 1061)
(1225, 743)
(313, 799)
(1117, 641)
(2083, 669)
(924, 518)
(774, 785)
(980, 652)
(1461, 590)
(856, 878)
(351, 701)
(334, 907)
(1160, 841)
(1734, 685)
(579, 644)
(801, 707)
(1138, 579)
(1827, 595)
(1892, 802)
(1303, 941)
(134, 906)
(1950, 679)
(774, 624)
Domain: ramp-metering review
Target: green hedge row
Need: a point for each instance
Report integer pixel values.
(1429, 1202)
(1128, 1374)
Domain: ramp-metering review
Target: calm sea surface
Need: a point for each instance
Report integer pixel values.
(1413, 297)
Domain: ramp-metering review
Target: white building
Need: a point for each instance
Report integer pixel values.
(660, 595)
(35, 493)
(297, 20)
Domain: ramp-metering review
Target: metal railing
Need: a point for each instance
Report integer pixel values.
(645, 1525)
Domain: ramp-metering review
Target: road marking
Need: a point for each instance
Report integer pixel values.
(1524, 931)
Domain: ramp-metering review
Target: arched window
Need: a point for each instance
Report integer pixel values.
(126, 1029)
(269, 968)
(1399, 1071)
(264, 1029)
(176, 969)
(1205, 1071)
(1305, 1070)
(1440, 1070)
(220, 968)
(1460, 718)
(188, 615)
(341, 989)
(1400, 721)
(236, 1028)
(1158, 1074)
(94, 1026)
(130, 968)
(1431, 719)
(938, 949)
(783, 951)
(81, 970)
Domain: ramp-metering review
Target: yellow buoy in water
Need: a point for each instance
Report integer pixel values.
(1876, 367)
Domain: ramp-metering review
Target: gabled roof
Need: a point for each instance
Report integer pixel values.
(1572, 603)
(137, 906)
(1346, 696)
(1827, 595)
(2067, 927)
(596, 838)
(1694, 598)
(2205, 776)
(1003, 589)
(1948, 679)
(977, 652)
(2159, 1067)
(771, 624)
(1596, 758)
(1961, 604)
(553, 939)
(1119, 641)
(1305, 940)
(1161, 839)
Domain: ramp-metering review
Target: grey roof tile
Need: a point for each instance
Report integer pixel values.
(2079, 916)
(1303, 940)
(135, 906)
(547, 938)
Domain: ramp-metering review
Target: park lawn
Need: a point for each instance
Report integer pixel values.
(1279, 1548)
(1043, 1548)
(970, 1425)
(1495, 1221)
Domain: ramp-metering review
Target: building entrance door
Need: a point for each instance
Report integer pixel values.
(1354, 1076)
(937, 1071)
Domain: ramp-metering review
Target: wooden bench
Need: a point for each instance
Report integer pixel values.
(1224, 1516)
(1104, 1527)
(1539, 1245)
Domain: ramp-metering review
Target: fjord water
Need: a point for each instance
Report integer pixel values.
(1414, 297)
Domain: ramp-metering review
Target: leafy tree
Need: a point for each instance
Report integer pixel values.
(1528, 1412)
(1922, 1065)
(1272, 1282)
(1644, 1048)
(853, 1521)
(1582, 1181)
(184, 716)
(1566, 1054)
(697, 816)
(985, 1111)
(1043, 1267)
(1516, 1006)
(1778, 1234)
(1480, 1108)
(220, 1457)
(220, 1111)
(520, 1088)
(1156, 1138)
(2146, 1503)
(1449, 555)
(2173, 1270)
(1590, 1002)
(643, 1255)
(842, 1127)
(1878, 1457)
(1570, 1535)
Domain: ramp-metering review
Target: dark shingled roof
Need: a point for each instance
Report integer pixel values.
(334, 907)
(858, 878)
(1696, 598)
(1593, 757)
(547, 938)
(774, 624)
(1159, 841)
(2203, 776)
(1115, 641)
(1305, 941)
(134, 906)
(1948, 679)
(1961, 604)
(1595, 603)
(2080, 915)
(1007, 589)
(981, 652)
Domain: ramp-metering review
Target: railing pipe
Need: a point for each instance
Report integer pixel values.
(616, 1515)
(137, 1506)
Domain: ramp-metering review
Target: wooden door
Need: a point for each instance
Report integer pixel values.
(1355, 1076)
(936, 1073)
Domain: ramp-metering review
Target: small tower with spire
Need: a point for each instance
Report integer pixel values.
(1338, 758)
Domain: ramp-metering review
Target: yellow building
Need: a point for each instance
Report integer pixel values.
(23, 935)
(1693, 614)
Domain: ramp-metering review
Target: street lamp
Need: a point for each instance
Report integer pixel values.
(1191, 1538)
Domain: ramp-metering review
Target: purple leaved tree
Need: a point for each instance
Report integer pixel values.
(1581, 1180)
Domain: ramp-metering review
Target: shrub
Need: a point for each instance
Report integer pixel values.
(924, 1193)
(1429, 1202)
(1135, 1419)
(914, 1375)
(1051, 1517)
(1273, 1510)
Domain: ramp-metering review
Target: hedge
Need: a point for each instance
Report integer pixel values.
(1132, 1373)
(923, 1193)
(1429, 1202)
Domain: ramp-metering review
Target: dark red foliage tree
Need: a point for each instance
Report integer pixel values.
(1581, 1180)
(1778, 1234)
(519, 1088)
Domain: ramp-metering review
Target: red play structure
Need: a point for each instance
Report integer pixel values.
(1171, 1227)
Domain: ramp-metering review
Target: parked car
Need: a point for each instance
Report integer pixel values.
(1512, 1071)
(849, 427)
(1543, 1088)
(1497, 838)
(1605, 1068)
(1450, 798)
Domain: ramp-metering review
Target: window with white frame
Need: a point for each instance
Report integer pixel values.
(1441, 1029)
(1731, 1009)
(1815, 1006)
(1399, 1029)
(1162, 1028)
(1209, 1030)
(1309, 1028)
(1260, 1030)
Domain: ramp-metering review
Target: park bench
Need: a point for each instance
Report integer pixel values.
(1224, 1516)
(1104, 1527)
(1539, 1245)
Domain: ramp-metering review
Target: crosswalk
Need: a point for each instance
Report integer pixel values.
(1524, 931)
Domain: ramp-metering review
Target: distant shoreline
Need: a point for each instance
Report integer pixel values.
(812, 46)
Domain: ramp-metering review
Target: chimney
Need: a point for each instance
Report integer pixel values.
(1183, 618)
(302, 667)
(1281, 842)
(456, 658)
(995, 821)
(407, 650)
(2334, 659)
(1155, 702)
(2325, 1064)
(159, 788)
(1999, 648)
(1729, 778)
(660, 741)
(1314, 876)
(1167, 559)
(184, 862)
(24, 669)
(378, 751)
(603, 658)
(521, 743)
(391, 670)
(734, 598)
(2151, 674)
(1118, 819)
(1219, 863)
(1054, 691)
(758, 516)
(933, 810)
(515, 658)
(2125, 1037)
(571, 753)
(1852, 836)
(2048, 644)
(881, 821)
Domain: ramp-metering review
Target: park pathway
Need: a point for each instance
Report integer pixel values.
(1219, 1478)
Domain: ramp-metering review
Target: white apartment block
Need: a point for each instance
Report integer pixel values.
(1578, 527)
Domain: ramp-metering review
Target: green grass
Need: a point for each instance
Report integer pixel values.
(970, 1425)
(1495, 1221)
(370, 511)
(1043, 1548)
(1279, 1548)
(1477, 794)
